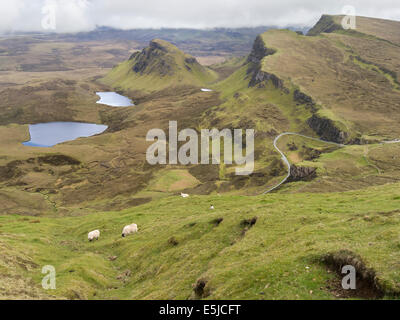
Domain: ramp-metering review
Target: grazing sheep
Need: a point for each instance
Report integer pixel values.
(184, 195)
(94, 235)
(212, 207)
(131, 229)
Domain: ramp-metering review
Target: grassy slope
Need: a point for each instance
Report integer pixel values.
(342, 169)
(325, 67)
(379, 28)
(293, 232)
(123, 77)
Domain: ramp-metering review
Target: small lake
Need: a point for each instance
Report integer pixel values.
(49, 134)
(114, 99)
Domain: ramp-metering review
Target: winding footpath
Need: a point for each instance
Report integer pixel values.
(286, 161)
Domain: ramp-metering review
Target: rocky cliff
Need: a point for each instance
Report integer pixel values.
(302, 173)
(158, 66)
(257, 76)
(160, 57)
(326, 24)
(327, 130)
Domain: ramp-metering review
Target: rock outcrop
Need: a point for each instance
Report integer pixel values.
(159, 66)
(327, 130)
(159, 58)
(152, 59)
(302, 173)
(259, 52)
(302, 98)
(326, 24)
(259, 77)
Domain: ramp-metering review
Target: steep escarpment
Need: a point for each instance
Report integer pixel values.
(326, 24)
(327, 129)
(260, 51)
(158, 66)
(258, 77)
(153, 59)
(161, 58)
(302, 173)
(302, 98)
(351, 99)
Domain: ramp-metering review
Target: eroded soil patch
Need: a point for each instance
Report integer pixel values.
(367, 285)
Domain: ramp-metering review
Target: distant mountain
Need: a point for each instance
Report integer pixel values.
(233, 41)
(158, 66)
(337, 85)
(380, 28)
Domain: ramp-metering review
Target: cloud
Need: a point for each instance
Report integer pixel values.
(82, 15)
(32, 15)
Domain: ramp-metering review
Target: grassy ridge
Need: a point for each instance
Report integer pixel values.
(279, 257)
(355, 97)
(161, 65)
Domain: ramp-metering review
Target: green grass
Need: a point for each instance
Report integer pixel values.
(280, 257)
(292, 232)
(319, 66)
(164, 68)
(371, 67)
(173, 181)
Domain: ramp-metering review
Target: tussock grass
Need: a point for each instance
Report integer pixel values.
(269, 261)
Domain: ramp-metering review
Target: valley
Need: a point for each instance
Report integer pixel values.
(325, 187)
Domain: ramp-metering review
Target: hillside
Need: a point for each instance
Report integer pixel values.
(298, 84)
(379, 28)
(219, 42)
(339, 206)
(351, 77)
(157, 67)
(286, 253)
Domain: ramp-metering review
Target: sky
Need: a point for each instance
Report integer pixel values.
(84, 15)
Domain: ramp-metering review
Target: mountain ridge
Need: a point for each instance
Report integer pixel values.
(341, 71)
(157, 67)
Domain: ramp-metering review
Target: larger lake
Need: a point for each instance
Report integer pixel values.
(49, 134)
(113, 99)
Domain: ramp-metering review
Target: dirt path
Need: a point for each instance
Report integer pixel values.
(287, 163)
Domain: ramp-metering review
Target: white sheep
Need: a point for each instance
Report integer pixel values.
(94, 235)
(184, 195)
(212, 207)
(131, 229)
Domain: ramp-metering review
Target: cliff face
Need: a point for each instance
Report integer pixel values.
(302, 173)
(153, 59)
(159, 66)
(259, 51)
(162, 58)
(259, 77)
(327, 130)
(324, 127)
(326, 24)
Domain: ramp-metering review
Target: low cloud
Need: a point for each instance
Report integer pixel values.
(83, 15)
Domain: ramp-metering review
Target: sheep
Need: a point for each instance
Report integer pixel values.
(94, 235)
(184, 195)
(130, 229)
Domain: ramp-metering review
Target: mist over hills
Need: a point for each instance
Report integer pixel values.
(236, 41)
(340, 204)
